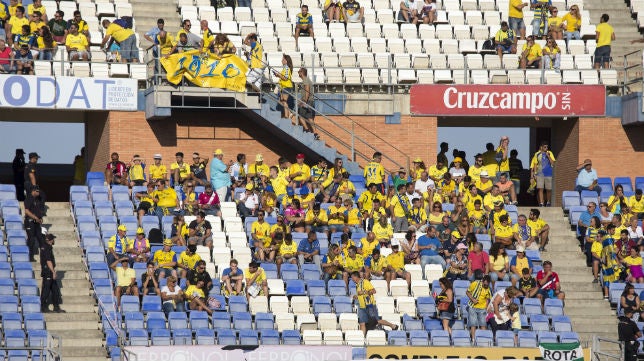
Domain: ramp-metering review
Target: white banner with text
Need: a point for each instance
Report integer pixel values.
(238, 353)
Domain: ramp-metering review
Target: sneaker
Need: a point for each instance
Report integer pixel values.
(596, 280)
(540, 204)
(605, 298)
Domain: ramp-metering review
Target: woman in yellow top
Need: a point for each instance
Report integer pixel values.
(435, 216)
(499, 266)
(337, 168)
(46, 44)
(551, 54)
(555, 24)
(222, 46)
(286, 86)
(504, 149)
(190, 201)
(572, 22)
(417, 168)
(634, 264)
(531, 54)
(333, 10)
(618, 200)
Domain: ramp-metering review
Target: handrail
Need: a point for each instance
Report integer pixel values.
(596, 351)
(627, 80)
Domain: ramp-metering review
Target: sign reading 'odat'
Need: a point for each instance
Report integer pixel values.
(19, 91)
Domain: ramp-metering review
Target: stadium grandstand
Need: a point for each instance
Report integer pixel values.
(271, 173)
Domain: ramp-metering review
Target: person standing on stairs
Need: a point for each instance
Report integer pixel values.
(629, 333)
(34, 213)
(50, 289)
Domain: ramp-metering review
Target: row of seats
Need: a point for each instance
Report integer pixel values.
(85, 69)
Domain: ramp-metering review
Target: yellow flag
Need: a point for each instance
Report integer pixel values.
(207, 70)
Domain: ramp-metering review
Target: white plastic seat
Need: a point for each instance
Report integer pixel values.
(80, 69)
(376, 338)
(479, 76)
(419, 61)
(498, 77)
(372, 30)
(516, 76)
(258, 304)
(406, 76)
(336, 30)
(306, 44)
(324, 45)
(396, 46)
(341, 44)
(305, 321)
(467, 46)
(354, 338)
(42, 67)
(276, 287)
(583, 61)
(119, 70)
(444, 31)
(408, 31)
(354, 30)
(279, 304)
(359, 45)
(106, 9)
(533, 76)
(510, 61)
(327, 322)
(381, 288)
(571, 77)
(348, 321)
(378, 45)
(370, 77)
(383, 60)
(261, 14)
(450, 46)
(432, 46)
(480, 32)
(608, 77)
(352, 76)
(438, 61)
(284, 320)
(492, 61)
(385, 304)
(366, 60)
(334, 76)
(433, 271)
(312, 337)
(474, 61)
(491, 18)
(414, 45)
(419, 288)
(576, 47)
(462, 32)
(333, 337)
(426, 31)
(455, 61)
(406, 305)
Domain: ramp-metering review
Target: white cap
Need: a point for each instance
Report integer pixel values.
(395, 242)
(484, 173)
(157, 156)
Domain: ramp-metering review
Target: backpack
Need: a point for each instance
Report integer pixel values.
(124, 22)
(155, 236)
(488, 44)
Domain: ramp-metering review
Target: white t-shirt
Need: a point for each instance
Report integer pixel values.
(503, 307)
(166, 290)
(251, 201)
(635, 234)
(422, 185)
(457, 172)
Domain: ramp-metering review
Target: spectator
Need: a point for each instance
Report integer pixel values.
(232, 279)
(139, 248)
(540, 230)
(516, 166)
(58, 27)
(188, 260)
(604, 34)
(484, 186)
(499, 266)
(503, 232)
(383, 231)
(15, 23)
(551, 55)
(306, 109)
(6, 66)
(477, 260)
(500, 308)
(182, 45)
(166, 200)
(353, 12)
(629, 299)
(286, 85)
(592, 245)
(518, 264)
(256, 284)
(522, 234)
(209, 202)
(287, 251)
(624, 245)
(197, 273)
(635, 202)
(353, 262)
(36, 22)
(478, 294)
(192, 41)
(179, 231)
(83, 27)
(219, 176)
(515, 17)
(457, 171)
(76, 44)
(149, 283)
(248, 203)
(617, 201)
(374, 172)
(527, 284)
(197, 298)
(475, 171)
(116, 171)
(572, 23)
(531, 54)
(172, 296)
(37, 6)
(548, 282)
(428, 11)
(555, 24)
(540, 19)
(587, 178)
(332, 264)
(24, 61)
(303, 24)
(222, 46)
(152, 34)
(400, 210)
(117, 245)
(208, 40)
(200, 231)
(584, 222)
(506, 189)
(437, 171)
(505, 39)
(609, 262)
(308, 250)
(198, 169)
(417, 169)
(367, 310)
(445, 303)
(333, 10)
(126, 39)
(634, 267)
(255, 56)
(409, 12)
(25, 38)
(166, 261)
(125, 279)
(376, 267)
(541, 167)
(457, 264)
(45, 44)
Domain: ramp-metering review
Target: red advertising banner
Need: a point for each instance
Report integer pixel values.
(508, 100)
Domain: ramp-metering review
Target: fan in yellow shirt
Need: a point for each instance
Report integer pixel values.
(374, 172)
(368, 244)
(492, 198)
(158, 170)
(503, 232)
(636, 203)
(352, 262)
(531, 54)
(316, 220)
(299, 172)
(396, 263)
(383, 231)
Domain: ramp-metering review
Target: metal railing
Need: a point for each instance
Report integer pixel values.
(637, 79)
(597, 354)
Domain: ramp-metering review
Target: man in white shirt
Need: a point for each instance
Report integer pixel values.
(587, 178)
(248, 202)
(424, 182)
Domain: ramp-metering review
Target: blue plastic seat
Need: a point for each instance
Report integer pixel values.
(237, 304)
(316, 288)
(575, 212)
(289, 272)
(291, 337)
(8, 304)
(440, 338)
(418, 338)
(133, 320)
(160, 337)
(220, 320)
(532, 306)
(561, 323)
(431, 324)
(11, 320)
(5, 270)
(23, 270)
(264, 321)
(138, 337)
(18, 355)
(98, 270)
(461, 338)
(397, 338)
(103, 208)
(155, 320)
(36, 338)
(337, 288)
(177, 320)
(343, 304)
(412, 324)
(587, 197)
(4, 253)
(553, 307)
(483, 338)
(271, 270)
(248, 337)
(130, 304)
(205, 336)
(182, 336)
(6, 287)
(547, 337)
(94, 178)
(14, 338)
(295, 287)
(86, 223)
(499, 285)
(242, 321)
(321, 304)
(220, 298)
(226, 337)
(13, 222)
(270, 337)
(460, 287)
(569, 199)
(310, 271)
(527, 339)
(199, 319)
(539, 323)
(625, 182)
(149, 222)
(103, 286)
(426, 306)
(505, 338)
(34, 321)
(19, 253)
(568, 337)
(151, 303)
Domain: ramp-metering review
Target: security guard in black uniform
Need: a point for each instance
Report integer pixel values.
(629, 333)
(18, 167)
(30, 172)
(50, 292)
(34, 212)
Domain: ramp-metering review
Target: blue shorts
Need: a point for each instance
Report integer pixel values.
(363, 316)
(602, 54)
(476, 317)
(505, 49)
(516, 24)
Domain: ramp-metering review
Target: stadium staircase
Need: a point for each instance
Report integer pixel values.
(147, 12)
(590, 314)
(626, 29)
(79, 326)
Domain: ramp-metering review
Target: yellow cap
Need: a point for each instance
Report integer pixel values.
(259, 158)
(122, 228)
(456, 234)
(140, 231)
(219, 152)
(249, 187)
(418, 160)
(167, 242)
(458, 159)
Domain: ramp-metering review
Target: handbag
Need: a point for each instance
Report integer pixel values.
(443, 306)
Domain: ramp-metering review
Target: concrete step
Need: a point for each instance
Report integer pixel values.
(80, 338)
(75, 265)
(596, 309)
(72, 321)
